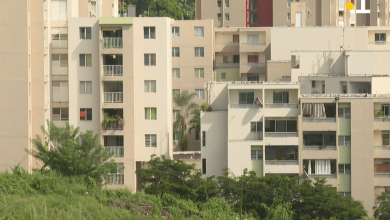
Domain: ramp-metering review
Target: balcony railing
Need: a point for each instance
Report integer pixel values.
(381, 168)
(281, 134)
(227, 44)
(281, 105)
(254, 105)
(112, 42)
(341, 5)
(329, 176)
(114, 126)
(382, 119)
(253, 64)
(380, 43)
(281, 162)
(115, 151)
(316, 148)
(251, 44)
(317, 120)
(382, 175)
(113, 97)
(228, 65)
(115, 178)
(384, 147)
(113, 70)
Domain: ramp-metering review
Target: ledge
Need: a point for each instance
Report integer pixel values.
(116, 20)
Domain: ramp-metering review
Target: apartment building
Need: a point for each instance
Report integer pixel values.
(21, 84)
(293, 13)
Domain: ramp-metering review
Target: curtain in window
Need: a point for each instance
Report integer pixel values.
(88, 87)
(314, 110)
(89, 59)
(199, 52)
(309, 167)
(176, 73)
(147, 113)
(199, 73)
(322, 167)
(253, 38)
(199, 31)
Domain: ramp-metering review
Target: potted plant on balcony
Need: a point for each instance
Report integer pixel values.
(107, 121)
(304, 168)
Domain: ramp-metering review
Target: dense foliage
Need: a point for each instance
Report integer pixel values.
(71, 153)
(382, 212)
(177, 9)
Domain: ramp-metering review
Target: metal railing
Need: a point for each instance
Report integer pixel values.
(115, 178)
(253, 44)
(329, 176)
(282, 162)
(115, 151)
(281, 105)
(384, 147)
(253, 64)
(381, 175)
(230, 65)
(114, 126)
(113, 70)
(315, 148)
(246, 105)
(381, 119)
(113, 97)
(281, 134)
(380, 43)
(227, 44)
(318, 120)
(112, 42)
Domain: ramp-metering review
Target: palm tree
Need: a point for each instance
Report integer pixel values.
(195, 121)
(187, 108)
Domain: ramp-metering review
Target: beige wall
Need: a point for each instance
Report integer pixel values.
(209, 10)
(187, 62)
(277, 69)
(280, 10)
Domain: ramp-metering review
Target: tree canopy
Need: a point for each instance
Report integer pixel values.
(71, 153)
(177, 9)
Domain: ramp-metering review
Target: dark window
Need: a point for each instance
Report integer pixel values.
(203, 138)
(246, 96)
(85, 114)
(281, 97)
(256, 126)
(204, 166)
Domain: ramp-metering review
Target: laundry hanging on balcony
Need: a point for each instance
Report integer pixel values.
(314, 110)
(320, 167)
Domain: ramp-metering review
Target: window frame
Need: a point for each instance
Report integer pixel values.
(197, 96)
(152, 62)
(201, 51)
(257, 155)
(344, 170)
(177, 73)
(149, 35)
(227, 17)
(61, 67)
(203, 138)
(199, 72)
(283, 101)
(219, 3)
(148, 86)
(344, 141)
(88, 112)
(85, 87)
(219, 17)
(257, 125)
(175, 92)
(175, 113)
(85, 60)
(150, 137)
(148, 110)
(61, 118)
(85, 34)
(256, 20)
(223, 75)
(198, 29)
(227, 4)
(175, 51)
(175, 31)
(62, 38)
(252, 4)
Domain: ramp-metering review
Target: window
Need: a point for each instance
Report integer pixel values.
(289, 3)
(176, 135)
(59, 38)
(288, 16)
(219, 17)
(150, 59)
(344, 168)
(223, 75)
(150, 85)
(60, 91)
(85, 33)
(85, 60)
(60, 114)
(203, 166)
(345, 141)
(199, 51)
(345, 113)
(59, 64)
(256, 155)
(236, 38)
(253, 38)
(280, 126)
(319, 139)
(380, 37)
(348, 194)
(254, 5)
(175, 114)
(281, 97)
(199, 93)
(313, 84)
(257, 126)
(149, 33)
(85, 114)
(175, 73)
(175, 52)
(199, 31)
(236, 58)
(227, 3)
(150, 140)
(386, 110)
(219, 3)
(246, 96)
(58, 11)
(227, 17)
(85, 87)
(253, 58)
(175, 32)
(253, 77)
(254, 18)
(150, 114)
(199, 73)
(114, 145)
(203, 138)
(385, 138)
(175, 92)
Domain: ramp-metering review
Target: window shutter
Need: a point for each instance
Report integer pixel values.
(56, 91)
(64, 92)
(55, 35)
(63, 43)
(62, 11)
(55, 10)
(236, 38)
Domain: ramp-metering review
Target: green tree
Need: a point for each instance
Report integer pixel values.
(64, 151)
(383, 210)
(187, 109)
(188, 9)
(175, 177)
(195, 121)
(177, 9)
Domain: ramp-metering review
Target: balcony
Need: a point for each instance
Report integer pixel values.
(317, 148)
(113, 120)
(114, 126)
(384, 147)
(381, 119)
(319, 140)
(281, 105)
(112, 42)
(318, 120)
(230, 44)
(281, 134)
(116, 151)
(380, 43)
(254, 105)
(227, 65)
(281, 162)
(113, 70)
(253, 44)
(328, 176)
(321, 168)
(253, 64)
(113, 97)
(383, 168)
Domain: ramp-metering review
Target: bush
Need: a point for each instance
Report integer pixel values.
(205, 107)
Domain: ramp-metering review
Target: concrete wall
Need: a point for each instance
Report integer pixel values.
(276, 70)
(209, 10)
